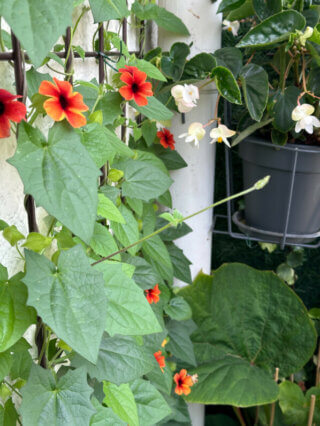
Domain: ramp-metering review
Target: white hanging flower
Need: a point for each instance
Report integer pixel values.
(185, 97)
(303, 36)
(232, 26)
(195, 133)
(221, 134)
(302, 114)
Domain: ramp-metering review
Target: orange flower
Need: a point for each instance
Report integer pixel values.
(166, 138)
(160, 359)
(10, 109)
(152, 294)
(183, 382)
(136, 86)
(63, 102)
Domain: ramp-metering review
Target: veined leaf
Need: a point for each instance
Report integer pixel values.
(121, 400)
(71, 293)
(226, 84)
(64, 403)
(60, 175)
(105, 10)
(37, 24)
(274, 29)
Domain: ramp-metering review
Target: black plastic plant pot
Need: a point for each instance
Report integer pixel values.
(290, 204)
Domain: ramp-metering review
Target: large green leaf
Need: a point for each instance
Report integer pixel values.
(151, 70)
(178, 309)
(229, 57)
(104, 10)
(180, 344)
(244, 11)
(102, 144)
(144, 275)
(121, 400)
(173, 64)
(34, 79)
(128, 312)
(110, 105)
(266, 8)
(239, 348)
(120, 360)
(156, 253)
(143, 180)
(104, 416)
(171, 158)
(199, 67)
(228, 5)
(295, 406)
(108, 210)
(8, 414)
(37, 23)
(155, 110)
(285, 103)
(162, 17)
(128, 232)
(15, 315)
(69, 297)
(152, 407)
(255, 89)
(48, 402)
(161, 380)
(226, 84)
(181, 264)
(60, 175)
(102, 242)
(274, 29)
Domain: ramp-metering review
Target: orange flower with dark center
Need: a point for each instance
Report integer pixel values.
(10, 110)
(166, 138)
(63, 102)
(160, 359)
(136, 87)
(152, 294)
(183, 382)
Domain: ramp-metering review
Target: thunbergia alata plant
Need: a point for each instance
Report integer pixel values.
(112, 341)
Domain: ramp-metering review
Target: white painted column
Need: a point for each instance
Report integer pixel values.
(193, 186)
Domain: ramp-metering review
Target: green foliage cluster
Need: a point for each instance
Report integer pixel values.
(274, 65)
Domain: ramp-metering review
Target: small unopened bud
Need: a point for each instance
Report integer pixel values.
(262, 182)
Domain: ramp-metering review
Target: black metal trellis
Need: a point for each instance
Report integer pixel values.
(232, 217)
(18, 57)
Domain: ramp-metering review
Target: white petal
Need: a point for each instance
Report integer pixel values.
(315, 122)
(177, 91)
(213, 140)
(215, 133)
(190, 138)
(225, 140)
(183, 135)
(309, 128)
(225, 131)
(302, 111)
(298, 127)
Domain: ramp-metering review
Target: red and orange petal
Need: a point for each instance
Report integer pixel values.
(63, 102)
(183, 382)
(10, 110)
(166, 139)
(160, 359)
(152, 294)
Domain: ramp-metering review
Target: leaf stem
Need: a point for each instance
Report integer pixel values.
(258, 185)
(12, 388)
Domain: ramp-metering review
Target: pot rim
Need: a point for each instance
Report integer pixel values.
(296, 147)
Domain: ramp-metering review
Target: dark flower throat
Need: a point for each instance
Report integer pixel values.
(135, 88)
(2, 108)
(63, 102)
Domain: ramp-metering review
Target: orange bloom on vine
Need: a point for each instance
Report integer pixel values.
(136, 87)
(63, 102)
(152, 294)
(10, 110)
(166, 138)
(160, 360)
(183, 382)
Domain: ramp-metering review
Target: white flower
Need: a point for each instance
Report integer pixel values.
(302, 114)
(221, 133)
(195, 133)
(185, 96)
(303, 37)
(232, 26)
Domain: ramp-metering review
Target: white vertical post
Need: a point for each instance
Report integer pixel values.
(193, 186)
